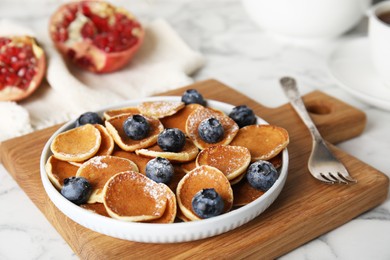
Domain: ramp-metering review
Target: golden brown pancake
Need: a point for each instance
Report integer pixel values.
(277, 160)
(244, 193)
(131, 196)
(77, 144)
(114, 126)
(97, 208)
(178, 120)
(116, 112)
(263, 141)
(196, 117)
(231, 160)
(177, 176)
(181, 216)
(188, 166)
(238, 178)
(107, 144)
(160, 109)
(171, 208)
(99, 169)
(139, 160)
(202, 177)
(58, 171)
(188, 153)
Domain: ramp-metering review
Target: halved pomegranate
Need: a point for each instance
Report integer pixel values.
(96, 35)
(22, 67)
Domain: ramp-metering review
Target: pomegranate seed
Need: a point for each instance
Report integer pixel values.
(84, 62)
(86, 10)
(69, 17)
(71, 54)
(88, 30)
(22, 72)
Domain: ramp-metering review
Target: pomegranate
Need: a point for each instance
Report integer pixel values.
(22, 67)
(96, 35)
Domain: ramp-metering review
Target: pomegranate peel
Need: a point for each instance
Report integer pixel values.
(96, 35)
(22, 67)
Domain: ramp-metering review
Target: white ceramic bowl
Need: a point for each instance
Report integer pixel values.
(306, 18)
(160, 233)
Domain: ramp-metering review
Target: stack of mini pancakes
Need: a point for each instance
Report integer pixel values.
(114, 164)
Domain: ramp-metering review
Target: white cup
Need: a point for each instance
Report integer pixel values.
(306, 19)
(379, 39)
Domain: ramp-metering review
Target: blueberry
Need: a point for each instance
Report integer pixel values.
(261, 175)
(192, 96)
(210, 130)
(76, 189)
(160, 170)
(136, 127)
(207, 203)
(243, 116)
(89, 118)
(171, 140)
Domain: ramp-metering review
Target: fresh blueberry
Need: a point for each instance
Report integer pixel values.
(171, 140)
(207, 203)
(210, 130)
(261, 175)
(160, 170)
(192, 96)
(89, 118)
(243, 116)
(136, 127)
(76, 189)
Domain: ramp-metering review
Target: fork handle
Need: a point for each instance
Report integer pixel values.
(290, 89)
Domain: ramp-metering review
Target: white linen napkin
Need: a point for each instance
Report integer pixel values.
(163, 62)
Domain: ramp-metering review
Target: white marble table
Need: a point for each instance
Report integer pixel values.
(242, 56)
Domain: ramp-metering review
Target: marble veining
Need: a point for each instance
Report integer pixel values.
(239, 54)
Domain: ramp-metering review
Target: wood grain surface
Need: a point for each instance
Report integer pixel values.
(305, 209)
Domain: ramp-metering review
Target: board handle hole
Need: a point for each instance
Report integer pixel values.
(319, 109)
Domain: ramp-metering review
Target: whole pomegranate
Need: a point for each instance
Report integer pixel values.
(22, 67)
(96, 35)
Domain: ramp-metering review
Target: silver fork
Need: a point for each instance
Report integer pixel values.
(323, 165)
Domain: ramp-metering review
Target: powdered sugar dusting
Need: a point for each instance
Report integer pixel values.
(97, 162)
(160, 108)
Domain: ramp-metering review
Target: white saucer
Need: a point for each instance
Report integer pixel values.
(350, 64)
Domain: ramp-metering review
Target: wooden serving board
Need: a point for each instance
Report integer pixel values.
(305, 209)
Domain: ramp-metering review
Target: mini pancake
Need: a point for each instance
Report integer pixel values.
(202, 177)
(277, 160)
(116, 112)
(58, 171)
(171, 208)
(139, 160)
(244, 193)
(263, 141)
(231, 160)
(188, 153)
(97, 208)
(177, 176)
(160, 109)
(107, 144)
(196, 117)
(77, 144)
(114, 126)
(238, 178)
(181, 216)
(131, 196)
(188, 166)
(178, 120)
(99, 169)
